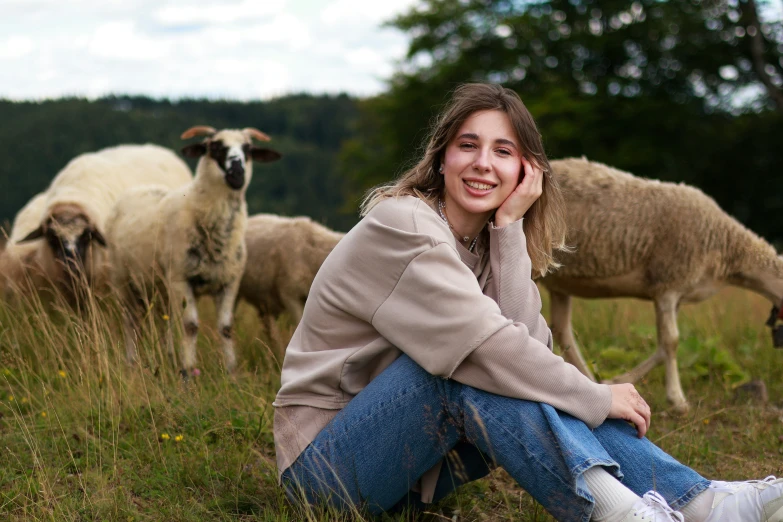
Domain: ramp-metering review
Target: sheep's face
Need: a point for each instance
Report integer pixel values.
(228, 156)
(69, 234)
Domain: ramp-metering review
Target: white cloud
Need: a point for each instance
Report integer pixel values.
(342, 11)
(121, 41)
(363, 56)
(216, 13)
(286, 29)
(194, 48)
(16, 47)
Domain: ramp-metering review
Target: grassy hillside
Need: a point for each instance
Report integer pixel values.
(84, 437)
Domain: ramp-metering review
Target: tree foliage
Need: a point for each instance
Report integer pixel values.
(664, 89)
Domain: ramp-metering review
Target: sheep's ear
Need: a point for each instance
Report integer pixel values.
(264, 155)
(194, 150)
(96, 236)
(38, 233)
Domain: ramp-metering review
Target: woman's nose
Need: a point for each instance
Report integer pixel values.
(481, 162)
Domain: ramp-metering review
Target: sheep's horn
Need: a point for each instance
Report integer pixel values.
(257, 134)
(198, 130)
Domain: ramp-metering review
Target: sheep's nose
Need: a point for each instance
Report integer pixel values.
(71, 257)
(235, 174)
(236, 168)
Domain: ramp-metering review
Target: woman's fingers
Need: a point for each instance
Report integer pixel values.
(533, 177)
(629, 405)
(639, 422)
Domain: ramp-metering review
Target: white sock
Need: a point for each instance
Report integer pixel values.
(698, 509)
(613, 500)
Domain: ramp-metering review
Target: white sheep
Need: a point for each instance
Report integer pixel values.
(81, 197)
(190, 241)
(664, 242)
(27, 267)
(284, 254)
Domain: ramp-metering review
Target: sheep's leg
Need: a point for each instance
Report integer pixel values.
(130, 330)
(275, 339)
(183, 293)
(131, 321)
(295, 308)
(668, 338)
(560, 312)
(224, 303)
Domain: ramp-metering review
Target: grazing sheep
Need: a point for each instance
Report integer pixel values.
(80, 199)
(26, 267)
(283, 255)
(189, 241)
(665, 242)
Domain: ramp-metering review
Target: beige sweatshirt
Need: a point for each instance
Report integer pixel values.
(399, 282)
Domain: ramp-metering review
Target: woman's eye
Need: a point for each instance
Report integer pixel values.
(466, 145)
(504, 152)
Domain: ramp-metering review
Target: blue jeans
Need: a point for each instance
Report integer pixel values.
(406, 420)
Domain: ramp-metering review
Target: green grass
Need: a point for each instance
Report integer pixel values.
(85, 437)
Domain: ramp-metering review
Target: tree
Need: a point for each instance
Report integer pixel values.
(664, 89)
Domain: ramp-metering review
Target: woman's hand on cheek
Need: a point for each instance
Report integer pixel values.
(522, 198)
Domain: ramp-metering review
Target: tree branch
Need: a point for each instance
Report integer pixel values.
(757, 55)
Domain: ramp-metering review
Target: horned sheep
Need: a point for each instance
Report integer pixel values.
(78, 203)
(659, 241)
(189, 241)
(284, 254)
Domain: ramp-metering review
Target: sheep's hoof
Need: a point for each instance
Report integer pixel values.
(681, 408)
(184, 374)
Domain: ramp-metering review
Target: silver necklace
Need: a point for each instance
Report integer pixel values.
(465, 239)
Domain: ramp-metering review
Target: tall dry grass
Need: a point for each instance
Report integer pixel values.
(84, 436)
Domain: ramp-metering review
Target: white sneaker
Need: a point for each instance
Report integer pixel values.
(750, 501)
(653, 508)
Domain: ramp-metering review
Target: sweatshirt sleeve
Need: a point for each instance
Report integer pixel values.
(510, 281)
(438, 315)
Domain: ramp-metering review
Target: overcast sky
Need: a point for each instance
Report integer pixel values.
(238, 49)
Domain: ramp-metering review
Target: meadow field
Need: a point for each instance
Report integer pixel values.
(85, 437)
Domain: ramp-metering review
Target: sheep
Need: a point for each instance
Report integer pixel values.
(26, 266)
(659, 241)
(284, 255)
(188, 242)
(80, 198)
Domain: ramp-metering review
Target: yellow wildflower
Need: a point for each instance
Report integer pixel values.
(179, 438)
(706, 421)
(24, 400)
(10, 398)
(61, 373)
(166, 317)
(43, 414)
(6, 371)
(164, 436)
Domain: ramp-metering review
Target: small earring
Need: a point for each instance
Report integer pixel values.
(441, 169)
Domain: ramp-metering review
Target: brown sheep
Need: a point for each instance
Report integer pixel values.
(664, 242)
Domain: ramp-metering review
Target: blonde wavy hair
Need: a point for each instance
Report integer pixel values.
(544, 225)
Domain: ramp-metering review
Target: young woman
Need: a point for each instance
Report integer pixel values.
(422, 358)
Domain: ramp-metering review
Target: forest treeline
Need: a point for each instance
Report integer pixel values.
(679, 90)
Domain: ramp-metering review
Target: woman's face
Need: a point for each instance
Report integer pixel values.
(481, 165)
